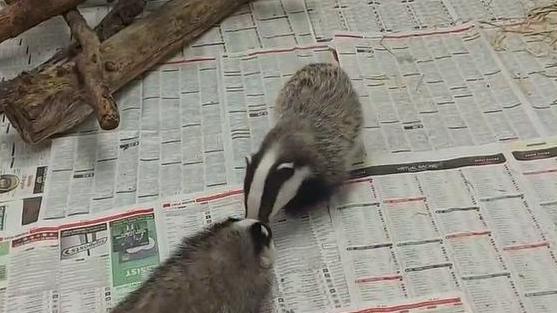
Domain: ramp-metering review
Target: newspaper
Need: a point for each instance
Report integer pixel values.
(170, 142)
(23, 172)
(491, 230)
(186, 127)
(462, 229)
(421, 91)
(103, 272)
(537, 163)
(496, 10)
(260, 24)
(530, 61)
(433, 90)
(330, 16)
(277, 24)
(454, 208)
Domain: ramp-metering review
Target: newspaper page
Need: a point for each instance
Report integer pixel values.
(535, 162)
(446, 303)
(530, 59)
(330, 16)
(23, 172)
(426, 227)
(89, 265)
(169, 142)
(277, 23)
(259, 24)
(399, 236)
(493, 11)
(433, 90)
(467, 222)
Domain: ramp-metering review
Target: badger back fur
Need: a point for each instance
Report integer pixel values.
(308, 152)
(223, 269)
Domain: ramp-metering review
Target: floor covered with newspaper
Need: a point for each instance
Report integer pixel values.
(453, 209)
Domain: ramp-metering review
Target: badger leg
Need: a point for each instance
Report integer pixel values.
(357, 155)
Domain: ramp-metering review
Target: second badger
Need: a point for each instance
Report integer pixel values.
(225, 268)
(308, 152)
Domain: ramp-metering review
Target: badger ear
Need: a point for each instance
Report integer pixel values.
(263, 243)
(261, 235)
(286, 165)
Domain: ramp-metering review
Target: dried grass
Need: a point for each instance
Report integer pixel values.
(540, 24)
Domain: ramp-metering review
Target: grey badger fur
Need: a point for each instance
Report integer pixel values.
(308, 153)
(223, 269)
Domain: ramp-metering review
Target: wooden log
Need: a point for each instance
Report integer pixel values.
(22, 15)
(89, 65)
(121, 15)
(46, 101)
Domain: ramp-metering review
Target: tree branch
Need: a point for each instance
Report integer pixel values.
(22, 15)
(89, 65)
(47, 100)
(121, 15)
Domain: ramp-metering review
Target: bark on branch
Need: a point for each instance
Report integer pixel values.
(22, 15)
(121, 15)
(46, 101)
(89, 65)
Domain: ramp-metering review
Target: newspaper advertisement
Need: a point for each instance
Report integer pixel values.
(21, 195)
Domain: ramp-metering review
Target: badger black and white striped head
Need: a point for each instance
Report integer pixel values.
(273, 178)
(243, 240)
(261, 240)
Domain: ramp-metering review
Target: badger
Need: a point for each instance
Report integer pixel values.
(307, 154)
(226, 268)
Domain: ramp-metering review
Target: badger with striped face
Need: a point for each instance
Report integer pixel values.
(307, 154)
(225, 268)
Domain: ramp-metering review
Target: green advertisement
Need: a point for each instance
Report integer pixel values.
(134, 249)
(4, 255)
